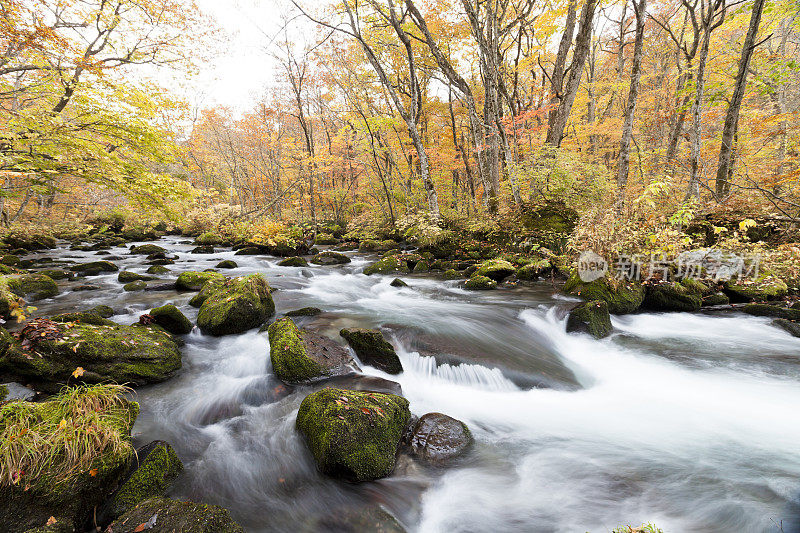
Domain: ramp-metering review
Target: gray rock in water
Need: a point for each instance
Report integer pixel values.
(16, 391)
(438, 438)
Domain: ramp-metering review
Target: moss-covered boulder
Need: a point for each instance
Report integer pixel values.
(761, 290)
(792, 328)
(157, 269)
(211, 238)
(126, 276)
(205, 249)
(775, 311)
(496, 269)
(671, 296)
(235, 305)
(148, 249)
(103, 311)
(387, 265)
(227, 264)
(353, 435)
(95, 268)
(592, 318)
(171, 319)
(330, 258)
(372, 349)
(302, 357)
(57, 273)
(716, 298)
(480, 283)
(324, 239)
(534, 270)
(397, 282)
(134, 286)
(33, 286)
(422, 267)
(438, 438)
(9, 260)
(83, 317)
(149, 475)
(194, 281)
(621, 296)
(172, 516)
(293, 262)
(250, 250)
(29, 241)
(48, 352)
(305, 311)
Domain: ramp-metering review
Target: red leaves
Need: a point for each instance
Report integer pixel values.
(146, 319)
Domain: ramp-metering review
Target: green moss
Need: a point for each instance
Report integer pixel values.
(174, 516)
(102, 310)
(227, 264)
(717, 298)
(84, 317)
(480, 283)
(397, 282)
(33, 286)
(147, 249)
(126, 277)
(451, 274)
(9, 260)
(3, 392)
(56, 273)
(325, 238)
(373, 349)
(534, 270)
(287, 351)
(209, 237)
(235, 305)
(775, 311)
(171, 319)
(621, 296)
(764, 289)
(194, 281)
(134, 286)
(695, 286)
(157, 269)
(496, 269)
(387, 265)
(293, 262)
(95, 267)
(353, 435)
(592, 318)
(671, 296)
(305, 311)
(330, 258)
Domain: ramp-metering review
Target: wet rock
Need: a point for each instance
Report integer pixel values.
(363, 382)
(161, 262)
(764, 289)
(48, 352)
(194, 281)
(205, 249)
(172, 516)
(621, 296)
(95, 268)
(33, 286)
(793, 328)
(372, 349)
(127, 276)
(717, 298)
(83, 317)
(330, 258)
(57, 273)
(325, 239)
(480, 283)
(149, 475)
(301, 356)
(10, 260)
(670, 296)
(134, 286)
(775, 311)
(534, 270)
(157, 269)
(86, 287)
(438, 438)
(211, 238)
(148, 249)
(293, 262)
(387, 265)
(227, 264)
(160, 287)
(235, 305)
(103, 311)
(592, 318)
(372, 519)
(305, 311)
(171, 319)
(249, 250)
(29, 242)
(16, 391)
(353, 435)
(496, 269)
(397, 282)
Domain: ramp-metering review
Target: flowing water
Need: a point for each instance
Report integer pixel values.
(688, 421)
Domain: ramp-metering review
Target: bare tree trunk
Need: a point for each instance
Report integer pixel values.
(627, 127)
(726, 152)
(697, 119)
(559, 67)
(556, 132)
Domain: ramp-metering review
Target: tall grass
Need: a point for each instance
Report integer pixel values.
(78, 431)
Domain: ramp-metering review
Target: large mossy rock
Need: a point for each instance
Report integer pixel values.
(621, 296)
(671, 296)
(302, 357)
(33, 286)
(170, 516)
(534, 270)
(48, 352)
(151, 472)
(774, 311)
(235, 305)
(480, 283)
(293, 262)
(330, 258)
(211, 238)
(126, 276)
(592, 318)
(148, 249)
(353, 435)
(373, 349)
(95, 268)
(32, 242)
(761, 290)
(394, 262)
(438, 438)
(171, 319)
(194, 280)
(227, 264)
(792, 328)
(496, 269)
(71, 499)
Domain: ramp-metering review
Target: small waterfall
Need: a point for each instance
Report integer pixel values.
(475, 376)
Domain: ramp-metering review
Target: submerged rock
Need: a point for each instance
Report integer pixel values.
(301, 356)
(171, 319)
(49, 352)
(330, 258)
(372, 349)
(305, 311)
(438, 438)
(621, 296)
(151, 472)
(235, 305)
(671, 296)
(172, 516)
(293, 262)
(353, 435)
(33, 286)
(592, 318)
(369, 519)
(194, 280)
(496, 269)
(480, 283)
